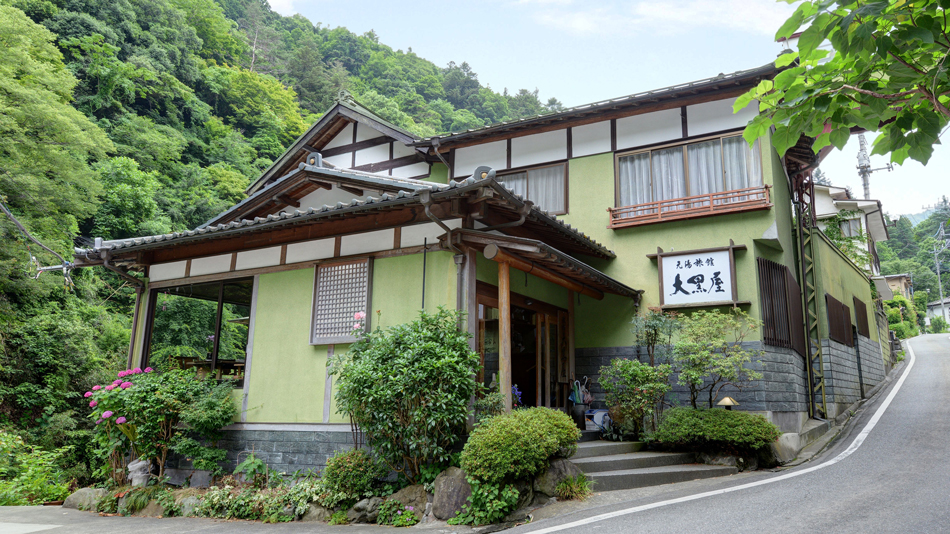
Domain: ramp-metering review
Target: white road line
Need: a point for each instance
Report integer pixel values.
(847, 452)
(24, 528)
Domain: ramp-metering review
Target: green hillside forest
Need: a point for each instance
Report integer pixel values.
(121, 118)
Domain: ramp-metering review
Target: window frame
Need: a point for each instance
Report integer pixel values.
(340, 339)
(519, 170)
(850, 223)
(683, 144)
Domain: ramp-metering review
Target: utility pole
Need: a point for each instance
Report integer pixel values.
(944, 244)
(864, 166)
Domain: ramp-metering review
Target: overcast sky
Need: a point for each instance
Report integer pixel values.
(580, 54)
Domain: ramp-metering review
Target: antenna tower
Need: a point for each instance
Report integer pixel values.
(864, 166)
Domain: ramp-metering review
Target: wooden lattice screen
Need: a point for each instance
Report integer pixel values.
(341, 290)
(839, 321)
(861, 317)
(782, 316)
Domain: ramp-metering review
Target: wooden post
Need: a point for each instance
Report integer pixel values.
(547, 357)
(570, 335)
(504, 332)
(538, 366)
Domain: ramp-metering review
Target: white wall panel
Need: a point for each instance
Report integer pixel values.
(373, 154)
(367, 242)
(310, 250)
(413, 236)
(409, 171)
(345, 137)
(364, 132)
(717, 116)
(538, 148)
(495, 155)
(341, 160)
(590, 139)
(320, 197)
(210, 265)
(252, 259)
(649, 128)
(166, 271)
(400, 150)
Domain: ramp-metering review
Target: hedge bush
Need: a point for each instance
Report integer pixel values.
(715, 429)
(518, 444)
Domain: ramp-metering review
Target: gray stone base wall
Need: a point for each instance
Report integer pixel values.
(842, 387)
(299, 448)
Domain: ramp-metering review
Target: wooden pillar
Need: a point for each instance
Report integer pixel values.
(471, 300)
(539, 365)
(504, 332)
(547, 357)
(570, 335)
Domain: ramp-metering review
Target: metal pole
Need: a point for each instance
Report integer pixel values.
(943, 307)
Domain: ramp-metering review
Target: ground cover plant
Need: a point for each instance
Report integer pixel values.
(29, 474)
(577, 487)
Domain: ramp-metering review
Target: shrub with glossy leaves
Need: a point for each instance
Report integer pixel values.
(352, 472)
(716, 430)
(518, 444)
(408, 388)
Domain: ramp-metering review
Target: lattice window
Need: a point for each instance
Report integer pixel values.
(781, 296)
(341, 290)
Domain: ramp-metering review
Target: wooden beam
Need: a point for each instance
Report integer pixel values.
(285, 199)
(391, 164)
(504, 332)
(352, 190)
(321, 185)
(494, 252)
(353, 147)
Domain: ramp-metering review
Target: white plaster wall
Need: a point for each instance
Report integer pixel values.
(318, 198)
(373, 154)
(210, 265)
(252, 259)
(345, 137)
(717, 116)
(410, 171)
(310, 250)
(495, 155)
(538, 148)
(166, 271)
(367, 242)
(649, 128)
(400, 150)
(341, 160)
(364, 132)
(428, 233)
(590, 139)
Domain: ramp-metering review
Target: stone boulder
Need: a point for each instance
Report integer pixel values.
(316, 513)
(525, 493)
(152, 509)
(451, 492)
(365, 511)
(414, 496)
(85, 499)
(187, 506)
(739, 462)
(557, 472)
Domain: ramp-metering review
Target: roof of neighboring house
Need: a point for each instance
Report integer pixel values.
(536, 220)
(939, 302)
(843, 201)
(902, 275)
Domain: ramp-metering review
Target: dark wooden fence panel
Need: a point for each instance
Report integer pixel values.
(861, 317)
(780, 296)
(839, 321)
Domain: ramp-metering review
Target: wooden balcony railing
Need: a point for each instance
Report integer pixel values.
(749, 199)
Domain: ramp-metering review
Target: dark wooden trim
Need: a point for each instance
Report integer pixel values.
(187, 268)
(233, 262)
(397, 237)
(217, 328)
(487, 294)
(352, 190)
(708, 304)
(570, 143)
(353, 147)
(283, 254)
(660, 253)
(613, 135)
(508, 153)
(149, 319)
(685, 124)
(452, 164)
(336, 246)
(392, 154)
(135, 324)
(353, 158)
(392, 163)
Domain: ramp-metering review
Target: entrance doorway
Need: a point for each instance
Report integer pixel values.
(539, 348)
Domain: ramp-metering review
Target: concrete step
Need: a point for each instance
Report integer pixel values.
(588, 449)
(589, 435)
(654, 476)
(634, 460)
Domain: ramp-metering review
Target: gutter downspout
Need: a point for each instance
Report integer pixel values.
(425, 197)
(435, 146)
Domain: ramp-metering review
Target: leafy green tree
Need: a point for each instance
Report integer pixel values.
(886, 73)
(220, 39)
(128, 207)
(525, 103)
(633, 390)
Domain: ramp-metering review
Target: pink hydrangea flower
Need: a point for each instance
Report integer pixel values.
(117, 381)
(99, 421)
(96, 388)
(110, 387)
(148, 369)
(88, 394)
(106, 414)
(357, 326)
(120, 420)
(123, 373)
(93, 404)
(359, 316)
(126, 385)
(137, 371)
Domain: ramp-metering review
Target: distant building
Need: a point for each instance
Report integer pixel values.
(866, 219)
(938, 308)
(895, 284)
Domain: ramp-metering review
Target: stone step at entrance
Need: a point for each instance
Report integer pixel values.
(624, 465)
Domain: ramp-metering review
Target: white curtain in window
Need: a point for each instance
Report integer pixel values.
(518, 183)
(546, 188)
(669, 176)
(705, 169)
(743, 166)
(634, 172)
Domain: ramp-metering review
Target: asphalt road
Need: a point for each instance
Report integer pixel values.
(897, 480)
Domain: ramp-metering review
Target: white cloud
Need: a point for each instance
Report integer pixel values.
(284, 7)
(668, 17)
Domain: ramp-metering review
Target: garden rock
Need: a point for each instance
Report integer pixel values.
(556, 473)
(152, 509)
(739, 462)
(414, 496)
(188, 505)
(525, 493)
(316, 513)
(451, 491)
(287, 512)
(138, 472)
(364, 511)
(85, 499)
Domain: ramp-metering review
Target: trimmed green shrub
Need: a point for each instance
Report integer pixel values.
(725, 430)
(518, 444)
(352, 473)
(633, 390)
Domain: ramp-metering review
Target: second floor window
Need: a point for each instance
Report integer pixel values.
(695, 169)
(851, 228)
(545, 186)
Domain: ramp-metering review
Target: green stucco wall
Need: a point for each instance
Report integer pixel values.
(438, 172)
(534, 287)
(841, 279)
(397, 286)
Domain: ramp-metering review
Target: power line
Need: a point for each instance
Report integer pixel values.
(64, 265)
